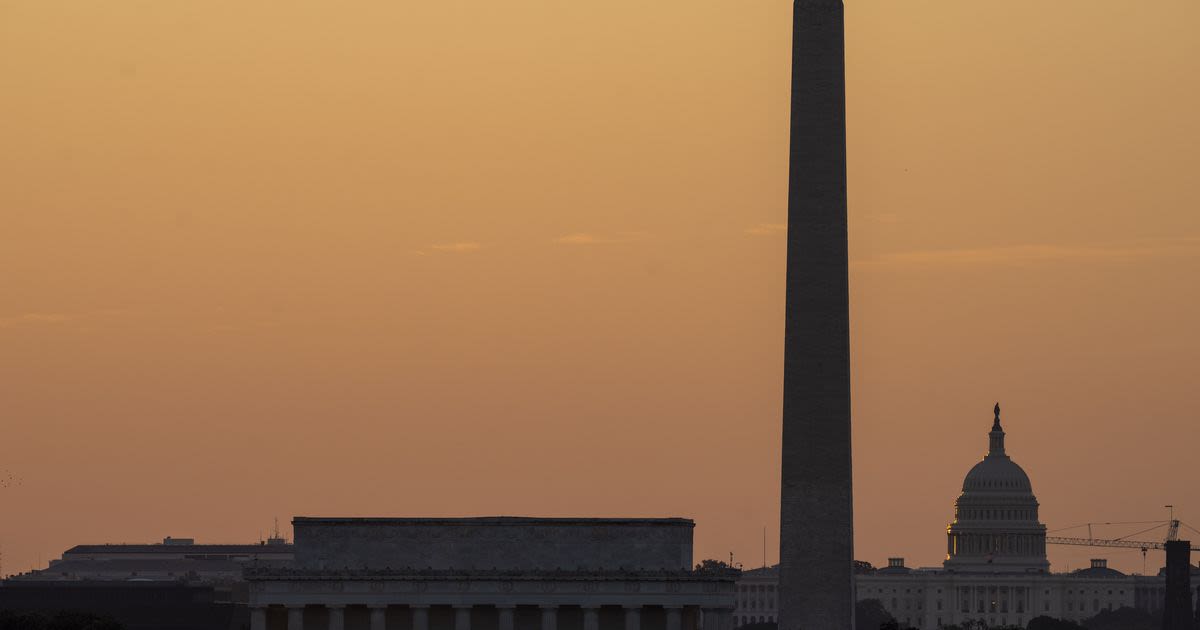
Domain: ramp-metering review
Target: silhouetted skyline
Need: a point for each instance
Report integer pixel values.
(409, 259)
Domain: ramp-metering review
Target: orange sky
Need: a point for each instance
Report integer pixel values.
(524, 257)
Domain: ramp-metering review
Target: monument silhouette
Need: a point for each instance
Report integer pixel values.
(816, 537)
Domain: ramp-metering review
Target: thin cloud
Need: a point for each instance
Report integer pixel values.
(766, 229)
(884, 218)
(34, 318)
(82, 321)
(1018, 255)
(460, 247)
(585, 238)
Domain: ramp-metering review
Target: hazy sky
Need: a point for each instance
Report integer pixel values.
(526, 257)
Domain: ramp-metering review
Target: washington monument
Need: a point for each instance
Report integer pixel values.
(816, 537)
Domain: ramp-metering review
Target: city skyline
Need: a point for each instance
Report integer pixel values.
(257, 267)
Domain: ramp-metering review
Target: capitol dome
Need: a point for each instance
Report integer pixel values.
(996, 527)
(997, 474)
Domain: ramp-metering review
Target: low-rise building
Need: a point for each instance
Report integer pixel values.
(173, 560)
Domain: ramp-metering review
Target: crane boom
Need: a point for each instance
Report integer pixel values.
(1099, 542)
(1172, 535)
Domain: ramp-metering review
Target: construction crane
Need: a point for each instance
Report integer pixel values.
(1100, 542)
(1172, 524)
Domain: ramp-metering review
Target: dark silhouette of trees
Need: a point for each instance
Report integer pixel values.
(975, 625)
(10, 620)
(1122, 619)
(712, 565)
(1050, 623)
(869, 614)
(980, 624)
(765, 625)
(862, 567)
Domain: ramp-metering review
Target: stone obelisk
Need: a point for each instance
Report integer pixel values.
(816, 538)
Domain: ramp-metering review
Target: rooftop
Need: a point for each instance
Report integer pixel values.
(150, 564)
(491, 520)
(177, 549)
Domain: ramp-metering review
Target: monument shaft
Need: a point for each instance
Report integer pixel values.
(816, 512)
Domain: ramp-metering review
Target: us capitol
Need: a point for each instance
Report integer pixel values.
(995, 569)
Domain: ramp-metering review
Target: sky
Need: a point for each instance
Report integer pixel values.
(526, 258)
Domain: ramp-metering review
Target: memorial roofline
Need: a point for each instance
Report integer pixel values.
(253, 572)
(491, 520)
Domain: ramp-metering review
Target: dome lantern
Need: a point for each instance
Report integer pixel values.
(996, 436)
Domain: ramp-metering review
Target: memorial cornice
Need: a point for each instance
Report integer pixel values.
(294, 574)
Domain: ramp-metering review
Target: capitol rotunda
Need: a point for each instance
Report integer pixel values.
(996, 525)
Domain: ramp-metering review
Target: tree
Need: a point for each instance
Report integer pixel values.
(10, 620)
(869, 614)
(1050, 623)
(82, 621)
(1121, 619)
(862, 567)
(712, 565)
(978, 624)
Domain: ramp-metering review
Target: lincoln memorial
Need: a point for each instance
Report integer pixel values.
(496, 573)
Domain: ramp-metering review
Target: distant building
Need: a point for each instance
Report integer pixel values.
(272, 550)
(501, 573)
(757, 600)
(932, 598)
(995, 569)
(175, 560)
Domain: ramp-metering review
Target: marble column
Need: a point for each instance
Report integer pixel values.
(378, 617)
(674, 618)
(505, 617)
(420, 618)
(258, 618)
(462, 618)
(337, 617)
(591, 618)
(633, 618)
(295, 618)
(719, 619)
(549, 617)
